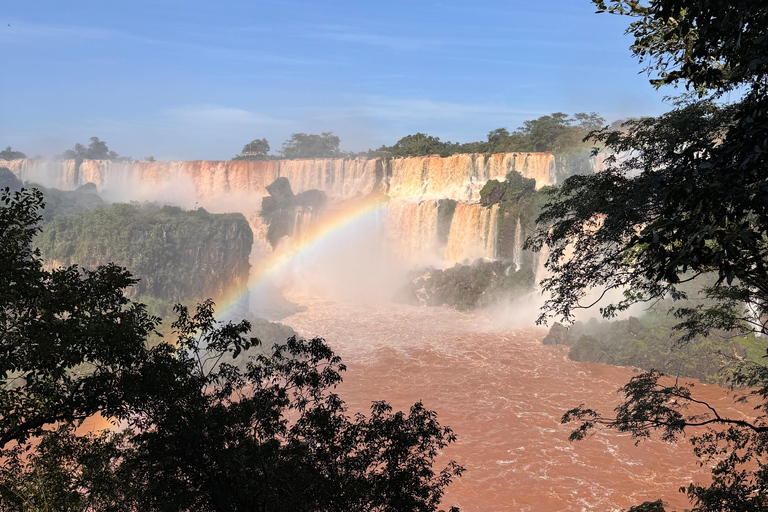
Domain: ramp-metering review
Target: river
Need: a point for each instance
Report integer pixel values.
(502, 392)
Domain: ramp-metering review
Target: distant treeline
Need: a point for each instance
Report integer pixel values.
(95, 150)
(555, 133)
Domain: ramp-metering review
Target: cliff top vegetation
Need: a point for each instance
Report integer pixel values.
(554, 133)
(10, 154)
(96, 150)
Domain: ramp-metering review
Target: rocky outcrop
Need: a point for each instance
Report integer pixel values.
(466, 286)
(289, 214)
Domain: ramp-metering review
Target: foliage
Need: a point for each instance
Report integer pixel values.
(271, 435)
(706, 44)
(418, 144)
(201, 433)
(688, 198)
(649, 343)
(96, 150)
(512, 189)
(519, 206)
(10, 154)
(696, 207)
(9, 180)
(557, 133)
(257, 149)
(70, 339)
(70, 202)
(178, 255)
(302, 145)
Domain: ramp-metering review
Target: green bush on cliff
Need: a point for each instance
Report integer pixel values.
(178, 255)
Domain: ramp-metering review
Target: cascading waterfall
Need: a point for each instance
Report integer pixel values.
(421, 223)
(473, 233)
(412, 229)
(302, 224)
(458, 177)
(517, 256)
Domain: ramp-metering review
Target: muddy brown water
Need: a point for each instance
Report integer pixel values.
(503, 393)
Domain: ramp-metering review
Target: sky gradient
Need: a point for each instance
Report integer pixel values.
(197, 80)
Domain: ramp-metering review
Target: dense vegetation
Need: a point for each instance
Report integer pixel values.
(10, 154)
(688, 201)
(96, 150)
(555, 133)
(650, 343)
(178, 255)
(519, 206)
(199, 433)
(257, 149)
(9, 180)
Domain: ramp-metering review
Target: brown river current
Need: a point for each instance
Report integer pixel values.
(503, 393)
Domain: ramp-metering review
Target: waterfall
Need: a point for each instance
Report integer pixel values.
(412, 230)
(433, 215)
(459, 177)
(473, 233)
(517, 255)
(302, 224)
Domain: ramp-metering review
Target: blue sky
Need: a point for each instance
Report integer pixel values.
(197, 80)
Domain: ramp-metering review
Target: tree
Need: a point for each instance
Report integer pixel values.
(419, 144)
(8, 179)
(687, 200)
(544, 131)
(96, 150)
(302, 145)
(257, 149)
(206, 429)
(69, 338)
(9, 154)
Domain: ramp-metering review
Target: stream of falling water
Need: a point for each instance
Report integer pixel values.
(503, 393)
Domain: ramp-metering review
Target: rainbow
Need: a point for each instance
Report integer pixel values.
(331, 222)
